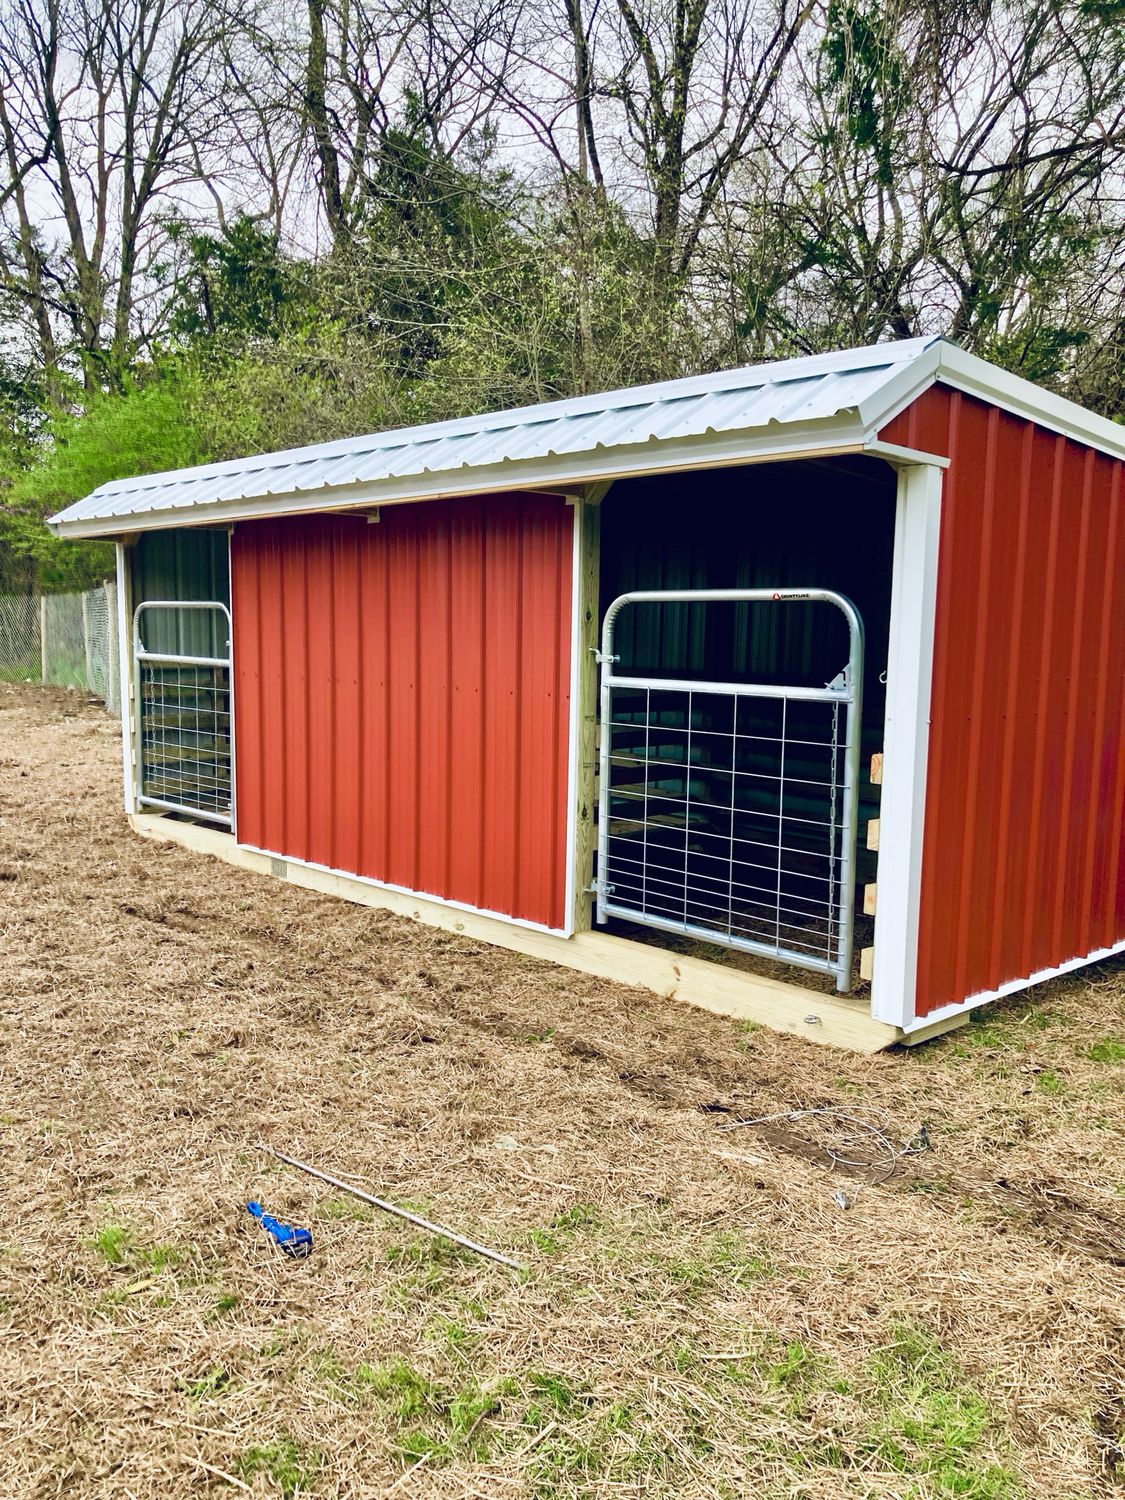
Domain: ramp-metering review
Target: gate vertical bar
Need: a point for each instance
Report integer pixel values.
(605, 755)
(851, 801)
(780, 821)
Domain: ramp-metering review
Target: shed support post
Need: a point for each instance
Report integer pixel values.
(126, 676)
(906, 743)
(584, 710)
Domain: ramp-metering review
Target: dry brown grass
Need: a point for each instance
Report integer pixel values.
(700, 1318)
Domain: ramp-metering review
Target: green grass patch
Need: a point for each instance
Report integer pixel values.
(795, 1367)
(928, 1185)
(1108, 1050)
(433, 1420)
(558, 1392)
(427, 1251)
(932, 1422)
(158, 1257)
(1048, 1082)
(725, 1259)
(453, 1336)
(560, 1232)
(114, 1243)
(117, 1245)
(292, 1466)
(213, 1383)
(344, 1208)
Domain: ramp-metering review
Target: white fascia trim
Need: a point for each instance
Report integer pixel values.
(943, 361)
(707, 450)
(230, 689)
(906, 744)
(404, 890)
(1014, 986)
(125, 673)
(976, 377)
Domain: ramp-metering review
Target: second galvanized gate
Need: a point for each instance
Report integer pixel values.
(182, 723)
(728, 810)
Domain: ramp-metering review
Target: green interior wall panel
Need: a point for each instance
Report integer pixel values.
(190, 565)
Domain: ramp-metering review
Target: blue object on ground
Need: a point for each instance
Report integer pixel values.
(287, 1237)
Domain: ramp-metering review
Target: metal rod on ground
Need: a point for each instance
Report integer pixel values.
(393, 1208)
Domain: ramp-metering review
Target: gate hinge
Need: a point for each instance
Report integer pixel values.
(601, 658)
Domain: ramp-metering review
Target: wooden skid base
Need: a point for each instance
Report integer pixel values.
(938, 1028)
(831, 1021)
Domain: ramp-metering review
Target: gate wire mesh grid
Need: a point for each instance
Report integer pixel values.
(185, 736)
(726, 814)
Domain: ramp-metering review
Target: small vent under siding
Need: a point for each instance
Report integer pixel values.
(279, 867)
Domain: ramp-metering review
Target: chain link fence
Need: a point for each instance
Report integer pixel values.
(66, 639)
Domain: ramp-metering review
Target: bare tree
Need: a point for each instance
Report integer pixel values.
(104, 105)
(362, 68)
(956, 169)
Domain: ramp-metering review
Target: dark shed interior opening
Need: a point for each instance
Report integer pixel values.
(706, 790)
(184, 754)
(189, 564)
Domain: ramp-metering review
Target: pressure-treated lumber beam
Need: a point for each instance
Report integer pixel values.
(588, 519)
(727, 991)
(939, 1028)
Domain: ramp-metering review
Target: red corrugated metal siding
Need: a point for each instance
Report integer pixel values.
(1022, 865)
(402, 696)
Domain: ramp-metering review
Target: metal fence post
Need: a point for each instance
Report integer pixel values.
(42, 638)
(86, 642)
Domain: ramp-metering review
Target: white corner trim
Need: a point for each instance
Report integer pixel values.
(573, 736)
(906, 744)
(125, 673)
(1014, 986)
(230, 686)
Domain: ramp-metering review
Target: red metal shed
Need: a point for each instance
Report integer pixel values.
(859, 621)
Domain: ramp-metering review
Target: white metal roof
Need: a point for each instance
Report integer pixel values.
(821, 403)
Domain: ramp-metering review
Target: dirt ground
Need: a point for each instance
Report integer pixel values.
(699, 1316)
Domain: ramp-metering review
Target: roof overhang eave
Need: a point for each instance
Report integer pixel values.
(566, 472)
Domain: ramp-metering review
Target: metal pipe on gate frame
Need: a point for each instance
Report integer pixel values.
(851, 695)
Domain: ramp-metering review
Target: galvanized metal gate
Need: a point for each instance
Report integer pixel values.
(183, 711)
(728, 811)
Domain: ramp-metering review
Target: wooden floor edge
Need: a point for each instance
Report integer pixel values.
(825, 1019)
(936, 1028)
